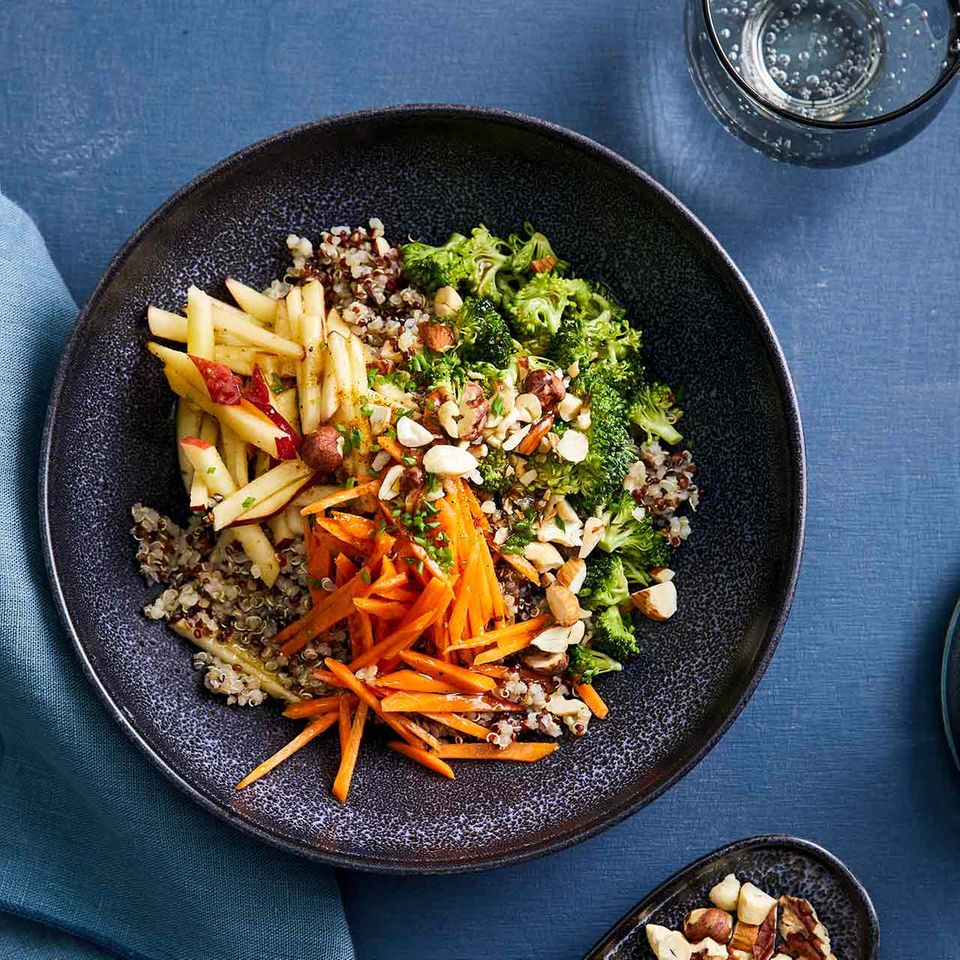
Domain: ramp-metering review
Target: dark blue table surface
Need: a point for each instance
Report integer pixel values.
(107, 108)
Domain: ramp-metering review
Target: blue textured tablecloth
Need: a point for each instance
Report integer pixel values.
(106, 109)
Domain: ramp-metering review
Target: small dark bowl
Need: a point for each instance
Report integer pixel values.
(427, 170)
(779, 865)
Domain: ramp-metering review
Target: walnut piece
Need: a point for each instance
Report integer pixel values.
(804, 936)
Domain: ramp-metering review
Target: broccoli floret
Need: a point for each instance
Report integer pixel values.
(432, 370)
(654, 410)
(522, 531)
(493, 469)
(431, 267)
(483, 335)
(606, 582)
(611, 450)
(535, 246)
(586, 664)
(614, 637)
(536, 309)
(634, 537)
(487, 255)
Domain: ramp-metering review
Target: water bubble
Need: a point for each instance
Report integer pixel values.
(804, 56)
(725, 33)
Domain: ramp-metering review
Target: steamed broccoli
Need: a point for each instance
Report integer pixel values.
(486, 255)
(606, 582)
(586, 664)
(483, 336)
(431, 369)
(534, 247)
(611, 635)
(431, 267)
(630, 531)
(536, 309)
(493, 470)
(611, 449)
(654, 410)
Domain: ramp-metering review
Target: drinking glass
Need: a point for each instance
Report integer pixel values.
(824, 82)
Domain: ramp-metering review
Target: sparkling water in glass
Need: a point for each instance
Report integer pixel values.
(824, 82)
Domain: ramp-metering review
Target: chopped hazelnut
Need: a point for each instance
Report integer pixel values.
(322, 450)
(438, 336)
(546, 386)
(711, 923)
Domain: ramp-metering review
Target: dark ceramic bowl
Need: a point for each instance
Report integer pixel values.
(427, 170)
(778, 865)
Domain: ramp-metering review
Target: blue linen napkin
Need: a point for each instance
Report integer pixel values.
(94, 843)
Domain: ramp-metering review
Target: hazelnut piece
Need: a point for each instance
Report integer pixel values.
(711, 923)
(438, 336)
(322, 450)
(546, 386)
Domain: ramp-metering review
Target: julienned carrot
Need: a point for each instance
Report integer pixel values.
(388, 581)
(495, 670)
(450, 525)
(425, 759)
(480, 518)
(311, 730)
(335, 607)
(592, 699)
(496, 593)
(421, 733)
(343, 535)
(401, 595)
(461, 724)
(391, 446)
(458, 618)
(340, 496)
(328, 678)
(345, 568)
(347, 677)
(362, 528)
(384, 609)
(405, 635)
(526, 752)
(459, 676)
(410, 680)
(343, 716)
(313, 708)
(524, 628)
(504, 648)
(365, 629)
(348, 761)
(446, 703)
(388, 568)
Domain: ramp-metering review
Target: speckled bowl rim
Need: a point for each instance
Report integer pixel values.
(696, 233)
(807, 847)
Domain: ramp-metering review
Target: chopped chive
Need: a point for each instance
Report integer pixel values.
(248, 502)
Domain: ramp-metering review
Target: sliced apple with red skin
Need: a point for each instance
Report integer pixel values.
(244, 419)
(288, 477)
(258, 393)
(221, 382)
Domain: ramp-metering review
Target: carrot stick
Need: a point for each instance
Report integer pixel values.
(403, 702)
(339, 532)
(527, 752)
(343, 716)
(388, 568)
(384, 609)
(461, 724)
(427, 760)
(504, 648)
(341, 786)
(480, 518)
(392, 447)
(313, 708)
(496, 592)
(349, 679)
(335, 607)
(523, 628)
(459, 676)
(340, 496)
(403, 636)
(328, 678)
(363, 528)
(450, 525)
(421, 733)
(458, 618)
(401, 595)
(389, 582)
(592, 699)
(365, 631)
(412, 681)
(345, 568)
(311, 730)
